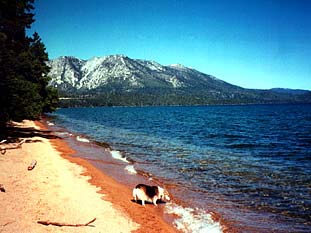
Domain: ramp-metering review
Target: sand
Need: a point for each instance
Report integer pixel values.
(65, 189)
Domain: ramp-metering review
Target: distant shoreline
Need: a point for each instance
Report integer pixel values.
(198, 105)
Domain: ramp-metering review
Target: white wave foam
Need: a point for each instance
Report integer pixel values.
(117, 155)
(63, 134)
(130, 169)
(81, 139)
(193, 220)
(50, 123)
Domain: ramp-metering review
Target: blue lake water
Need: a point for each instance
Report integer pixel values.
(251, 165)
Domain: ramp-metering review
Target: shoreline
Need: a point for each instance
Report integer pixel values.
(119, 195)
(178, 213)
(67, 189)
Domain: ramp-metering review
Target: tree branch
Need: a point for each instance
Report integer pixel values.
(32, 165)
(59, 224)
(12, 146)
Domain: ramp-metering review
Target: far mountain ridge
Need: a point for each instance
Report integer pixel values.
(120, 80)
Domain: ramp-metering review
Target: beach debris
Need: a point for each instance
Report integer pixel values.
(11, 146)
(2, 188)
(32, 165)
(59, 224)
(7, 223)
(2, 150)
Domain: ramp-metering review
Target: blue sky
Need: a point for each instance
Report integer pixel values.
(250, 43)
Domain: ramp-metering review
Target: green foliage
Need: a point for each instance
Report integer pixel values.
(23, 69)
(165, 98)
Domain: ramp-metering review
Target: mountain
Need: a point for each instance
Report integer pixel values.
(122, 73)
(120, 80)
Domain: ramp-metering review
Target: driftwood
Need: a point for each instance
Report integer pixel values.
(2, 149)
(32, 165)
(12, 146)
(59, 224)
(2, 188)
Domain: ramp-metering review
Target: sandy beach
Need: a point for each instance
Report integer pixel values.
(66, 189)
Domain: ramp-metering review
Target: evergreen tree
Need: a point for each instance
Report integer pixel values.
(23, 71)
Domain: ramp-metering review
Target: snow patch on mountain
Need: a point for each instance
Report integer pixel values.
(178, 66)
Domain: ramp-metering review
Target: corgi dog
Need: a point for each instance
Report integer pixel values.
(148, 193)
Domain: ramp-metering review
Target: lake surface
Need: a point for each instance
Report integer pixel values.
(246, 167)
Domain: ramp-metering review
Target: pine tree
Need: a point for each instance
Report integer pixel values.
(23, 71)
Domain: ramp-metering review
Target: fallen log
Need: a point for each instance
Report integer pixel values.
(32, 165)
(60, 224)
(12, 146)
(18, 144)
(2, 149)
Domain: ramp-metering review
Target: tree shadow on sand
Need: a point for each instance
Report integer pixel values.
(13, 133)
